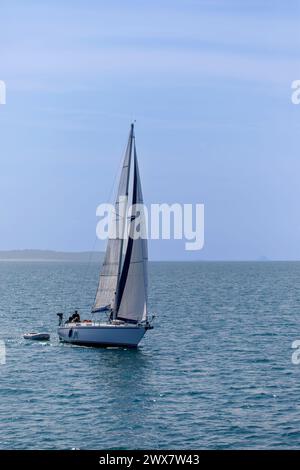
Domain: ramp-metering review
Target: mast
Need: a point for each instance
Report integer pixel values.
(131, 139)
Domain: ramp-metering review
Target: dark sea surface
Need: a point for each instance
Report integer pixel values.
(215, 373)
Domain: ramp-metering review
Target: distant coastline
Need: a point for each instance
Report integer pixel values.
(97, 257)
(49, 255)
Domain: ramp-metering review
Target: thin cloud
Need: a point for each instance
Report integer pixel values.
(71, 68)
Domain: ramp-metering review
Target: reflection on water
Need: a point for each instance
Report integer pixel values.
(216, 371)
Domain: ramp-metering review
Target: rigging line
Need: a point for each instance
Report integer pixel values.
(88, 267)
(118, 172)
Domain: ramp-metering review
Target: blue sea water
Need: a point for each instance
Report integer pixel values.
(215, 373)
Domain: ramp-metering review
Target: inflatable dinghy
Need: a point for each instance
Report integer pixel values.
(37, 336)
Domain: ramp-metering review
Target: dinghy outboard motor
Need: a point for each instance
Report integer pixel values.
(60, 318)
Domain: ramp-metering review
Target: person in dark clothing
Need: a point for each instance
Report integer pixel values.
(76, 317)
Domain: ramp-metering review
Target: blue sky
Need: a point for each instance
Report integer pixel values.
(209, 83)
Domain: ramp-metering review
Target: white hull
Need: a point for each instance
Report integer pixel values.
(102, 334)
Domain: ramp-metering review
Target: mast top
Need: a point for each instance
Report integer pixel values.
(132, 129)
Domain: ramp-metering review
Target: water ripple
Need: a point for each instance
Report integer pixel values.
(216, 371)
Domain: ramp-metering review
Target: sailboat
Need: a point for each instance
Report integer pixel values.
(123, 283)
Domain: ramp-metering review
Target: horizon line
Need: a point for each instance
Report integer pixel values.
(260, 259)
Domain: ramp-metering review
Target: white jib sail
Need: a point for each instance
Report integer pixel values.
(133, 286)
(106, 292)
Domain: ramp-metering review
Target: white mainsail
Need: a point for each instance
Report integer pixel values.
(110, 273)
